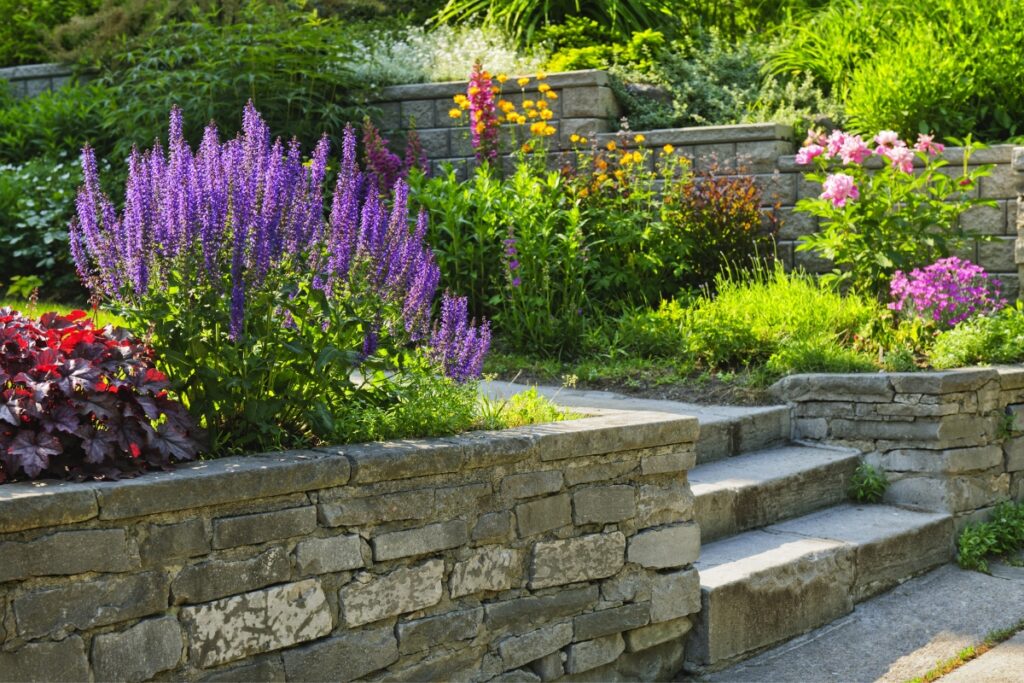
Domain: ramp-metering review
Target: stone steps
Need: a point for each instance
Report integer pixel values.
(750, 491)
(762, 587)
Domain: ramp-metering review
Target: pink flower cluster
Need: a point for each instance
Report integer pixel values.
(852, 149)
(483, 117)
(948, 292)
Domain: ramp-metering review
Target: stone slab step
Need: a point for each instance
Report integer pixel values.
(725, 431)
(756, 489)
(762, 587)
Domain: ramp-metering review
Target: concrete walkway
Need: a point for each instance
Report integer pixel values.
(1002, 664)
(903, 633)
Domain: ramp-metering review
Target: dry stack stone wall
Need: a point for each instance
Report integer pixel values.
(520, 555)
(31, 79)
(948, 441)
(587, 106)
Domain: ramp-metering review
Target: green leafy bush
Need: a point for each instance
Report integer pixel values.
(56, 122)
(995, 339)
(26, 24)
(868, 484)
(1002, 535)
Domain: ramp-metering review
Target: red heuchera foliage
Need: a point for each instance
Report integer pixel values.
(76, 401)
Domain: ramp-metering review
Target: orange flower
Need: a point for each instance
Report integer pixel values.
(611, 145)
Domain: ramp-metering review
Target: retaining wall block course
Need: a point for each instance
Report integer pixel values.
(670, 546)
(32, 505)
(943, 382)
(659, 504)
(543, 514)
(421, 541)
(1014, 449)
(549, 667)
(949, 461)
(68, 552)
(492, 568)
(646, 637)
(460, 143)
(588, 473)
(519, 650)
(824, 387)
(335, 511)
(418, 114)
(530, 484)
(138, 653)
(795, 224)
(345, 657)
(260, 621)
(997, 255)
(227, 480)
(492, 527)
(490, 449)
(585, 558)
(629, 585)
(675, 595)
(956, 494)
(464, 501)
(812, 262)
(231, 532)
(521, 613)
(604, 504)
(394, 460)
(267, 669)
(46, 662)
(589, 102)
(987, 220)
(594, 653)
(371, 598)
(218, 578)
(719, 157)
(329, 555)
(950, 428)
(603, 434)
(609, 621)
(669, 463)
(165, 542)
(389, 117)
(86, 604)
(459, 666)
(423, 634)
(435, 142)
(1003, 183)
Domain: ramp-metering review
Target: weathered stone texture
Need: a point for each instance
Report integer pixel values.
(530, 484)
(493, 526)
(656, 634)
(422, 541)
(138, 653)
(229, 532)
(370, 598)
(219, 578)
(673, 546)
(342, 658)
(488, 569)
(675, 595)
(594, 653)
(68, 552)
(521, 613)
(171, 541)
(520, 650)
(421, 634)
(261, 621)
(608, 621)
(418, 504)
(326, 555)
(544, 514)
(594, 556)
(46, 662)
(604, 505)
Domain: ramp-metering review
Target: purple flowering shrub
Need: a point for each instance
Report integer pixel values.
(272, 315)
(885, 205)
(947, 292)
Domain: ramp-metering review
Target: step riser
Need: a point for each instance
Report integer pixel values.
(725, 438)
(881, 566)
(724, 512)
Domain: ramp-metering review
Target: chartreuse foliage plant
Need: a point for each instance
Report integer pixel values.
(1001, 536)
(278, 327)
(876, 221)
(78, 401)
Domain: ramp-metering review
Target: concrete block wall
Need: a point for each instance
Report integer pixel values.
(31, 79)
(525, 555)
(949, 441)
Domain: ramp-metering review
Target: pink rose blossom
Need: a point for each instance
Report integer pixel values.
(925, 144)
(835, 142)
(808, 152)
(888, 138)
(838, 188)
(815, 137)
(901, 157)
(854, 150)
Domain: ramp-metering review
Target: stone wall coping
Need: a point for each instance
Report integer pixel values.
(711, 135)
(29, 505)
(837, 386)
(996, 154)
(433, 91)
(25, 71)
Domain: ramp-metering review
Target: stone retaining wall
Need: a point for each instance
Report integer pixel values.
(521, 555)
(586, 105)
(948, 441)
(31, 79)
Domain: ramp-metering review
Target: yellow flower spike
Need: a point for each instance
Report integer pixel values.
(502, 78)
(638, 138)
(544, 87)
(527, 104)
(551, 95)
(464, 104)
(547, 114)
(523, 81)
(611, 145)
(474, 90)
(541, 75)
(455, 113)
(549, 130)
(637, 157)
(668, 149)
(532, 114)
(574, 138)
(480, 127)
(541, 104)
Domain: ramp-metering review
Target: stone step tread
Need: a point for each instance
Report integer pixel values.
(773, 464)
(778, 545)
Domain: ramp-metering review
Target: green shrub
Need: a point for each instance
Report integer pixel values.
(56, 122)
(995, 339)
(1002, 535)
(868, 484)
(25, 25)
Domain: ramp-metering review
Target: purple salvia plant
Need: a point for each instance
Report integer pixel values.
(233, 217)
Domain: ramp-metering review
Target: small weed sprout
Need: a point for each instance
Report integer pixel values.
(868, 484)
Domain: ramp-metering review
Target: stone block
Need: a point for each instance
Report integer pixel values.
(672, 546)
(435, 142)
(252, 623)
(493, 568)
(30, 505)
(761, 156)
(659, 504)
(46, 662)
(613, 433)
(1014, 449)
(549, 667)
(418, 114)
(517, 676)
(957, 494)
(458, 666)
(674, 595)
(351, 655)
(268, 669)
(417, 504)
(1003, 183)
(230, 532)
(592, 472)
(422, 541)
(371, 597)
(950, 461)
(717, 156)
(522, 613)
(396, 460)
(946, 382)
(647, 637)
(389, 116)
(776, 187)
(493, 526)
(217, 578)
(422, 634)
(863, 388)
(997, 256)
(669, 463)
(585, 558)
(165, 542)
(520, 650)
(327, 555)
(596, 102)
(608, 621)
(588, 128)
(68, 552)
(628, 586)
(604, 504)
(460, 143)
(545, 514)
(530, 484)
(594, 653)
(138, 653)
(986, 220)
(86, 604)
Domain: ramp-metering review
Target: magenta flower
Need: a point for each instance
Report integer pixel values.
(901, 157)
(483, 117)
(925, 144)
(807, 153)
(839, 188)
(948, 292)
(835, 142)
(888, 138)
(854, 150)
